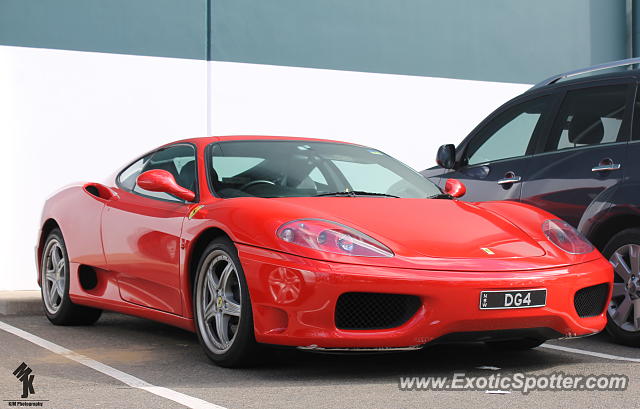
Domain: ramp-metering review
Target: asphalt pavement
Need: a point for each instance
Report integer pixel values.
(168, 362)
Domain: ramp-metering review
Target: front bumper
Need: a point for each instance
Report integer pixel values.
(294, 301)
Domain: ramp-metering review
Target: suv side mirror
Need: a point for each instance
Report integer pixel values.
(159, 180)
(446, 156)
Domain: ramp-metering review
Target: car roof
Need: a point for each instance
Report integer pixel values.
(211, 139)
(587, 78)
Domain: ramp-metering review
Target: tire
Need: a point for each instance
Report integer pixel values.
(624, 331)
(515, 344)
(54, 286)
(222, 307)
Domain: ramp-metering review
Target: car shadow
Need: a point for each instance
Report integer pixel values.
(280, 364)
(171, 357)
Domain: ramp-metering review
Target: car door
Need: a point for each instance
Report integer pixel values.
(582, 158)
(496, 159)
(141, 231)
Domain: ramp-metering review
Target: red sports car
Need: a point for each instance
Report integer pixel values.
(317, 244)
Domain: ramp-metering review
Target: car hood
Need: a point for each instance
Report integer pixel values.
(428, 234)
(425, 227)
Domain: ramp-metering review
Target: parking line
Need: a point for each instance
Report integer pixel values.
(590, 353)
(132, 381)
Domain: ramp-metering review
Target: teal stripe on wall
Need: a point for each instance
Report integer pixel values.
(166, 28)
(496, 40)
(499, 40)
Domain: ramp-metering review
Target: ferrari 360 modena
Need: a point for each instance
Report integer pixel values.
(316, 244)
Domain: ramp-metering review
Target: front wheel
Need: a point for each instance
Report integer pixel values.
(623, 251)
(222, 307)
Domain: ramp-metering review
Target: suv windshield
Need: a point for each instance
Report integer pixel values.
(305, 169)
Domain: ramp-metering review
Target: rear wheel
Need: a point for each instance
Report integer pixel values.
(623, 251)
(222, 307)
(54, 286)
(515, 344)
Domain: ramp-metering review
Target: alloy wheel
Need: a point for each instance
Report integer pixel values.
(624, 308)
(54, 278)
(218, 301)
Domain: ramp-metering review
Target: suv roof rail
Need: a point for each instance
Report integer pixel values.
(611, 64)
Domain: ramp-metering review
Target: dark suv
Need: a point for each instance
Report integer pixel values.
(571, 147)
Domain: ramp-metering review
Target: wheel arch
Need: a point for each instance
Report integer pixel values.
(605, 230)
(48, 226)
(197, 247)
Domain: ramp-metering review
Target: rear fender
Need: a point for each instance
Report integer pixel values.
(77, 210)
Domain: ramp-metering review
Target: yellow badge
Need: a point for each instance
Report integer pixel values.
(194, 211)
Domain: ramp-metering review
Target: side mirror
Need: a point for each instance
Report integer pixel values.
(446, 156)
(159, 180)
(455, 188)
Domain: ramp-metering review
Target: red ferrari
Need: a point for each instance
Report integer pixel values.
(317, 244)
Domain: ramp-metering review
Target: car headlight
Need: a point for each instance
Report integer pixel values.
(332, 237)
(563, 235)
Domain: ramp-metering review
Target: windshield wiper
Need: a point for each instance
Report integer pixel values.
(441, 196)
(354, 193)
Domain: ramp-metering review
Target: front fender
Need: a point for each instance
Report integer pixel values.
(529, 219)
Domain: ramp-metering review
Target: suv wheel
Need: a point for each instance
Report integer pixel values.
(623, 251)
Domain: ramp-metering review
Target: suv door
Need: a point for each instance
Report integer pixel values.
(141, 231)
(495, 161)
(582, 157)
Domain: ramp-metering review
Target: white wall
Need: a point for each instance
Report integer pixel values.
(68, 116)
(405, 116)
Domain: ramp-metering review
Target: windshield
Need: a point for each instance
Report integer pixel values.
(305, 169)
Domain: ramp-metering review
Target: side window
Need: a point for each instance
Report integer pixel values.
(306, 179)
(180, 161)
(230, 166)
(368, 177)
(509, 135)
(590, 116)
(317, 177)
(127, 178)
(636, 118)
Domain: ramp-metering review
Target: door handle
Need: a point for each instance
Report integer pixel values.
(605, 165)
(507, 181)
(603, 168)
(509, 178)
(100, 192)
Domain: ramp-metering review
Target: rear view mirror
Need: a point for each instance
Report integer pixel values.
(158, 180)
(455, 188)
(446, 156)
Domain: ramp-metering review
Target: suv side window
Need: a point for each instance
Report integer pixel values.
(510, 134)
(635, 134)
(590, 116)
(179, 160)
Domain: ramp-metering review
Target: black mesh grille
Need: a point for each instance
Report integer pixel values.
(374, 310)
(590, 301)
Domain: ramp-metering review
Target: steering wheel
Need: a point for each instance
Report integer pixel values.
(256, 182)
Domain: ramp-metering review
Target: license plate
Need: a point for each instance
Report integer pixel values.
(499, 300)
